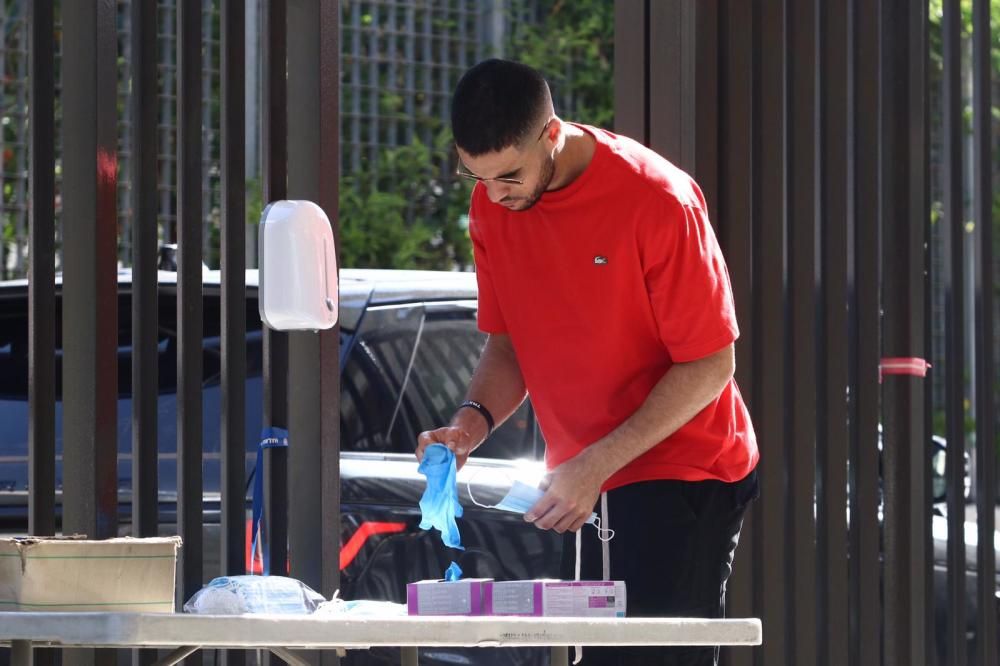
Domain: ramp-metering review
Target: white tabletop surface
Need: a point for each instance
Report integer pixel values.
(315, 631)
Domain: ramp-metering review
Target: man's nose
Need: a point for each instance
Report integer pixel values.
(496, 191)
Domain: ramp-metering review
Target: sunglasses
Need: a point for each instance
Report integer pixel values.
(465, 173)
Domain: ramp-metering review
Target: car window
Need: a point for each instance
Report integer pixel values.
(433, 352)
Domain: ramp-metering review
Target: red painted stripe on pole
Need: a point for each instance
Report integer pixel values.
(913, 366)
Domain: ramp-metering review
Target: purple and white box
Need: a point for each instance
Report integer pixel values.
(555, 598)
(442, 597)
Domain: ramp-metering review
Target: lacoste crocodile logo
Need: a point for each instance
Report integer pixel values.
(600, 260)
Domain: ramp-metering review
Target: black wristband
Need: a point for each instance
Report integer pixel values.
(478, 406)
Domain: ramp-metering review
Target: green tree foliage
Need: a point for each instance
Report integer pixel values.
(406, 210)
(572, 44)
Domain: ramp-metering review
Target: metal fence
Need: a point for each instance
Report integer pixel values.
(400, 60)
(810, 125)
(301, 160)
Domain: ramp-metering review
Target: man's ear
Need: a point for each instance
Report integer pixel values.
(554, 128)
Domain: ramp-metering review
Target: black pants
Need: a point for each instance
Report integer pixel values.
(673, 546)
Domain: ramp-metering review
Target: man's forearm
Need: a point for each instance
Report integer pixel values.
(497, 383)
(683, 391)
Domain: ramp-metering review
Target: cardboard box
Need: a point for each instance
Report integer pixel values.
(72, 574)
(441, 597)
(555, 598)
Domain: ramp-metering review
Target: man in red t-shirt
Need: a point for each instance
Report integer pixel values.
(606, 298)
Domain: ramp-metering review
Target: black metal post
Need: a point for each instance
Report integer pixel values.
(986, 408)
(274, 127)
(41, 276)
(803, 262)
(832, 430)
(234, 313)
(189, 296)
(631, 68)
(145, 311)
(771, 403)
(90, 283)
(734, 220)
(314, 366)
(955, 328)
(905, 223)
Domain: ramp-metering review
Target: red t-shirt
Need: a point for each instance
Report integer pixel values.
(603, 285)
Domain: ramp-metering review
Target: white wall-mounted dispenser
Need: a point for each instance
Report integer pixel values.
(298, 267)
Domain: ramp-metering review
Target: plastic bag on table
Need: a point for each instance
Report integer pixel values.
(235, 595)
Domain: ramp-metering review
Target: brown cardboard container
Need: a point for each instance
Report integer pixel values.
(73, 574)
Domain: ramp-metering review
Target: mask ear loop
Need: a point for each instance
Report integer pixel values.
(604, 534)
(468, 487)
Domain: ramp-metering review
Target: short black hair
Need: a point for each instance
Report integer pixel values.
(497, 104)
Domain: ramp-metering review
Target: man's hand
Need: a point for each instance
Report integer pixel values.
(571, 491)
(462, 437)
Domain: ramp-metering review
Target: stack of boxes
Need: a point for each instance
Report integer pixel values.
(529, 598)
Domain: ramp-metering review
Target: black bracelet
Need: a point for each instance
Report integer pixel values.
(478, 406)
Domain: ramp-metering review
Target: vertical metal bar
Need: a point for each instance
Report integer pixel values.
(20, 183)
(391, 33)
(445, 40)
(734, 217)
(408, 656)
(955, 333)
(314, 394)
(411, 66)
(772, 407)
(864, 526)
(631, 82)
(126, 154)
(208, 48)
(168, 118)
(832, 431)
(904, 219)
(275, 178)
(41, 276)
(90, 289)
(233, 294)
(145, 309)
(706, 67)
(357, 88)
(145, 312)
(803, 271)
(21, 653)
(189, 296)
(274, 128)
(666, 114)
(375, 86)
(986, 493)
(428, 69)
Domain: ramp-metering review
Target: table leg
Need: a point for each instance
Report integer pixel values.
(289, 656)
(177, 655)
(408, 656)
(560, 656)
(21, 653)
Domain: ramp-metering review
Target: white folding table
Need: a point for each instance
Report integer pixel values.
(185, 634)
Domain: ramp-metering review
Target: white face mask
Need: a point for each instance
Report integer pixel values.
(521, 497)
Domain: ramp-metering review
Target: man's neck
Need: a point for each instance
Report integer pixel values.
(573, 156)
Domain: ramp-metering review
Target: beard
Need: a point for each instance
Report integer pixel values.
(544, 179)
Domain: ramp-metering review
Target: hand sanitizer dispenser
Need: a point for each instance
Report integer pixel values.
(298, 267)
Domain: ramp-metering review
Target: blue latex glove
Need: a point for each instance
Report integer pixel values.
(439, 506)
(453, 573)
